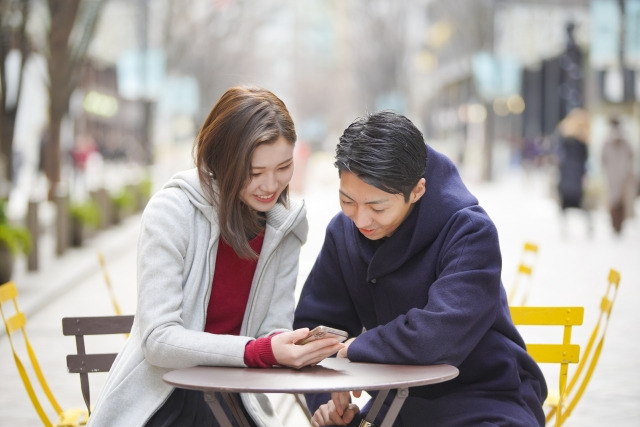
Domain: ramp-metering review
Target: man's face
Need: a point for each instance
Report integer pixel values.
(376, 213)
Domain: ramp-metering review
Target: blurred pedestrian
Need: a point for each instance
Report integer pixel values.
(85, 146)
(217, 268)
(572, 153)
(617, 163)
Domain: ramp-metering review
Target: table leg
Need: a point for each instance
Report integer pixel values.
(235, 406)
(302, 402)
(218, 412)
(375, 408)
(395, 407)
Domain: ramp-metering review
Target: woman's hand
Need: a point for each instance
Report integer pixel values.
(297, 356)
(339, 411)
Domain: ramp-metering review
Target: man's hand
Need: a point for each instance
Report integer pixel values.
(343, 352)
(338, 411)
(297, 356)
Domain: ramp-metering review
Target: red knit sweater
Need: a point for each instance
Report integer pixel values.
(228, 302)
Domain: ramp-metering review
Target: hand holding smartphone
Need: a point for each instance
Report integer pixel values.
(320, 332)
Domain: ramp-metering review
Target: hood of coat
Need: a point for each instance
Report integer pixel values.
(279, 217)
(445, 195)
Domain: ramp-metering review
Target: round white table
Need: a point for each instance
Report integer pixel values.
(330, 375)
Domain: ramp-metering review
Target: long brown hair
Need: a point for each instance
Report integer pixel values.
(243, 118)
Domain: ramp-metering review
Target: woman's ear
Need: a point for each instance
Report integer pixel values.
(418, 191)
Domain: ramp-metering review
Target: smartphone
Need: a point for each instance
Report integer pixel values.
(320, 332)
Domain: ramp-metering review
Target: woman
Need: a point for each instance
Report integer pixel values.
(573, 154)
(217, 265)
(572, 158)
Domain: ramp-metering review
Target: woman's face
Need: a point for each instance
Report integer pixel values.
(271, 171)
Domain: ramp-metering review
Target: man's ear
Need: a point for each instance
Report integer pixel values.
(418, 191)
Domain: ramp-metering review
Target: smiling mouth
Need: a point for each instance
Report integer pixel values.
(266, 198)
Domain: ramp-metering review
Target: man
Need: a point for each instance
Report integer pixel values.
(411, 268)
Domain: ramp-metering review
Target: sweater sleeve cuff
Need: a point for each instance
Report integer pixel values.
(259, 354)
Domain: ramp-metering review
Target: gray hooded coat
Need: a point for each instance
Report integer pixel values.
(176, 260)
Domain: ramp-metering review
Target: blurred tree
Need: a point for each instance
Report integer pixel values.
(213, 41)
(71, 28)
(379, 36)
(14, 50)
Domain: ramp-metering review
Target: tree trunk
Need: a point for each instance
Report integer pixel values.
(66, 59)
(6, 264)
(52, 155)
(11, 39)
(8, 129)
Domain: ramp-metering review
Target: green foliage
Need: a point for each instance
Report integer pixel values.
(15, 237)
(145, 187)
(123, 199)
(86, 212)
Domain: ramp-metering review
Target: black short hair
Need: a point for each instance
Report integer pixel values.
(385, 150)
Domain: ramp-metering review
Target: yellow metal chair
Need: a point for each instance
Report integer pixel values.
(107, 280)
(519, 292)
(15, 323)
(589, 357)
(561, 353)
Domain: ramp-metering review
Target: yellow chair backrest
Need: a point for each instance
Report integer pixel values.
(14, 323)
(561, 353)
(107, 280)
(519, 291)
(589, 357)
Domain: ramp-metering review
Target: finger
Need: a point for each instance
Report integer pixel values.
(336, 419)
(357, 393)
(350, 413)
(335, 398)
(311, 355)
(321, 416)
(296, 335)
(331, 416)
(342, 353)
(341, 401)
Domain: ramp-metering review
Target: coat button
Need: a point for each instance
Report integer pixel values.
(373, 280)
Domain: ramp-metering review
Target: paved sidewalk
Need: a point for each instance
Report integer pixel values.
(572, 269)
(69, 285)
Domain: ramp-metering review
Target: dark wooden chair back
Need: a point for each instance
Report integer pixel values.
(84, 363)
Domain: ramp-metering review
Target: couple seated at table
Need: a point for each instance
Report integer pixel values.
(410, 269)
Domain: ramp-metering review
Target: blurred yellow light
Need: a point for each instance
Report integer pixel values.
(425, 61)
(515, 103)
(100, 104)
(476, 113)
(439, 34)
(500, 107)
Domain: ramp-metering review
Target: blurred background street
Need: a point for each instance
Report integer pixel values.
(100, 101)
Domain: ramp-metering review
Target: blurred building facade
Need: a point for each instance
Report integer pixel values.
(500, 75)
(487, 81)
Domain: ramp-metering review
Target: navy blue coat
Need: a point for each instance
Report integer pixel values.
(431, 293)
